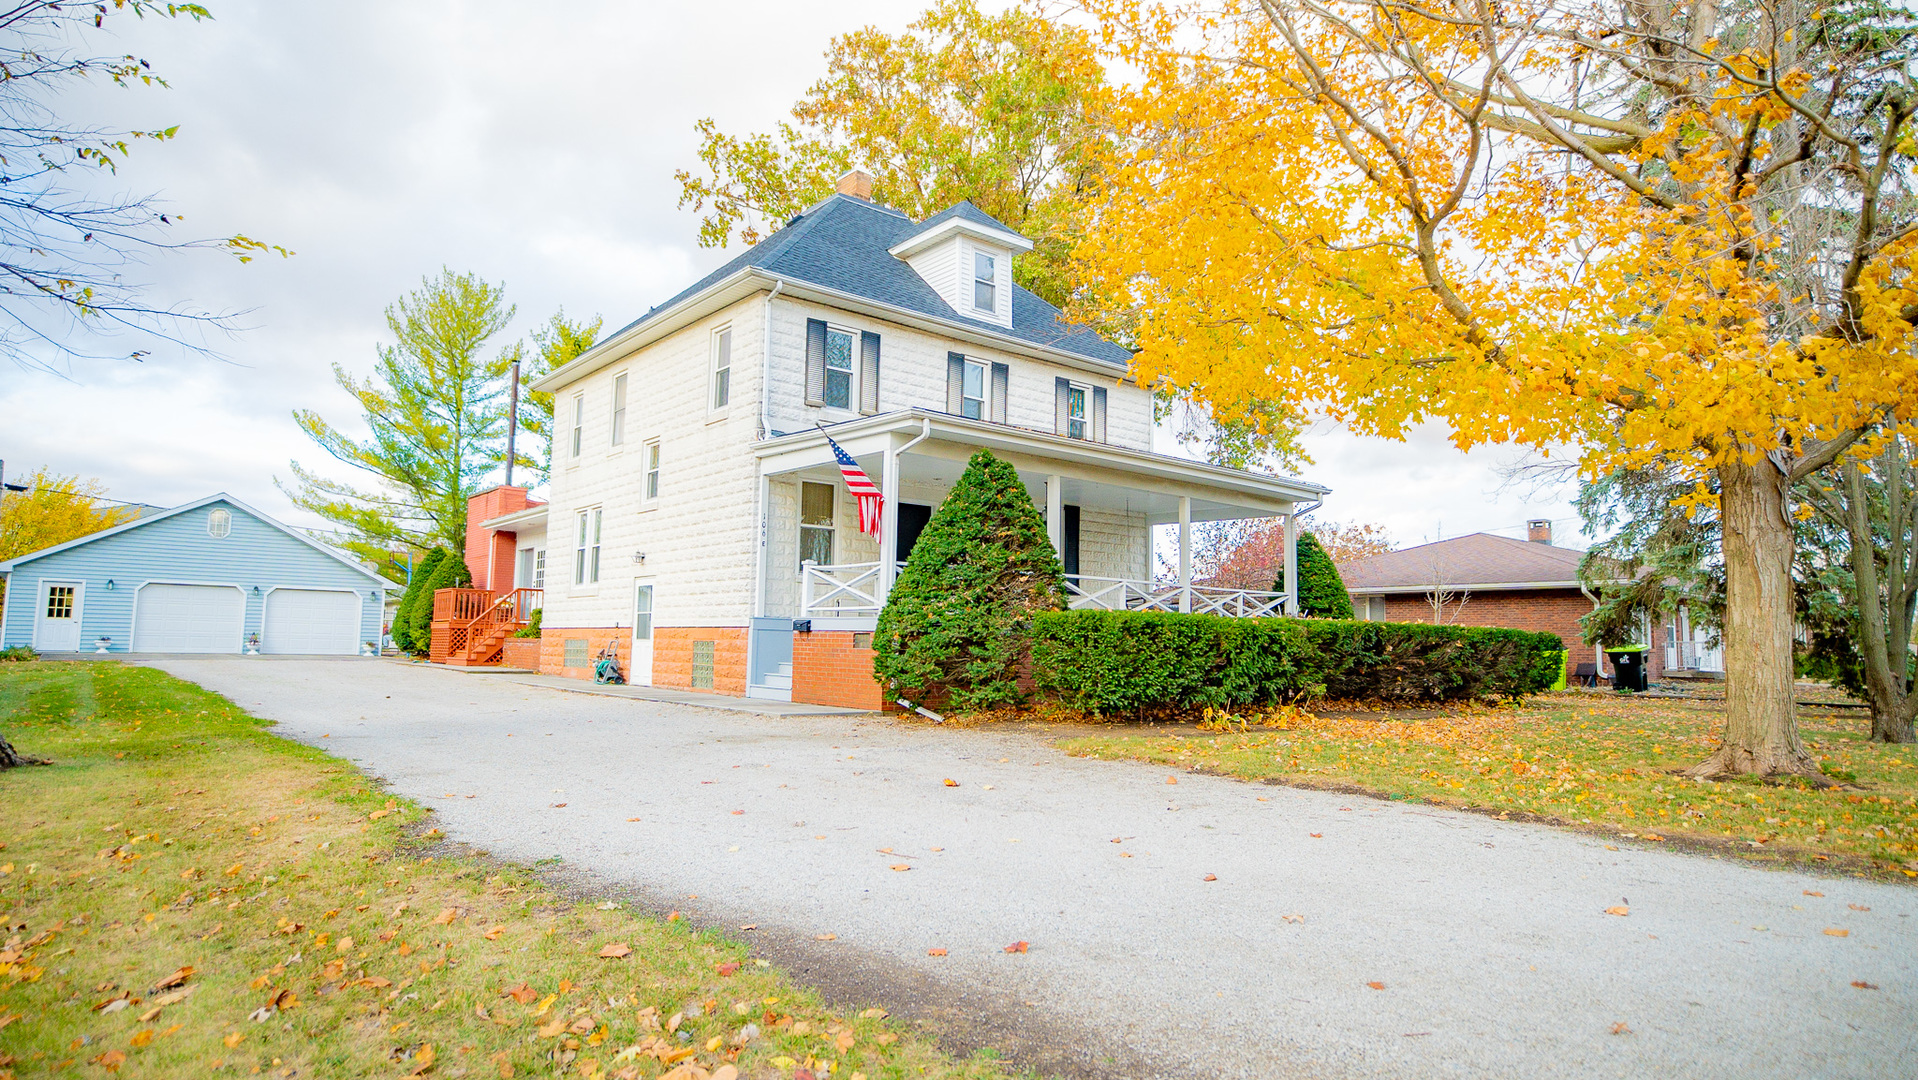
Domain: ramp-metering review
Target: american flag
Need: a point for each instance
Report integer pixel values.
(871, 502)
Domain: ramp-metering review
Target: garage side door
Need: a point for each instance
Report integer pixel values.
(188, 619)
(311, 621)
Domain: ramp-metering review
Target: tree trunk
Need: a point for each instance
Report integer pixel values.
(1884, 612)
(1761, 725)
(8, 758)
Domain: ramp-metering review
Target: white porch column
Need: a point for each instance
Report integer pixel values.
(1056, 515)
(1185, 553)
(888, 520)
(1291, 564)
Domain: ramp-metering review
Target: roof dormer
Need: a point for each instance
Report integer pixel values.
(966, 257)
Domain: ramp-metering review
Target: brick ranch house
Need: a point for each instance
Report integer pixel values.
(1531, 584)
(696, 518)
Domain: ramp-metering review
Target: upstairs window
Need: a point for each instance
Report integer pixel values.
(1076, 413)
(815, 523)
(722, 369)
(972, 393)
(650, 492)
(984, 282)
(219, 523)
(579, 423)
(838, 369)
(619, 409)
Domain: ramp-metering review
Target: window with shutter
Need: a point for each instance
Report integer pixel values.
(1060, 389)
(1098, 414)
(955, 383)
(839, 369)
(972, 391)
(1001, 387)
(815, 362)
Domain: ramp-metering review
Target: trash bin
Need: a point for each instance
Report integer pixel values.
(1628, 667)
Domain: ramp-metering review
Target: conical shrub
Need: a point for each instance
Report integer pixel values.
(450, 573)
(1322, 592)
(403, 614)
(956, 628)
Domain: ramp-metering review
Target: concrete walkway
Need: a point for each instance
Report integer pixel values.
(723, 702)
(1490, 939)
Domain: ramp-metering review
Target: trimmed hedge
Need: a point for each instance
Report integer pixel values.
(1123, 661)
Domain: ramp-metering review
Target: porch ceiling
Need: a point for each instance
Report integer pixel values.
(1094, 476)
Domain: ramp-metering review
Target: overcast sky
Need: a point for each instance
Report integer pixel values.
(533, 144)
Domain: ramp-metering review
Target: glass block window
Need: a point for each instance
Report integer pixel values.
(702, 665)
(576, 653)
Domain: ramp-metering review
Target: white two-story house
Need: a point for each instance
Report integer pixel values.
(696, 518)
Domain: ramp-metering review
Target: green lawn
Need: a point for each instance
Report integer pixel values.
(1603, 761)
(184, 894)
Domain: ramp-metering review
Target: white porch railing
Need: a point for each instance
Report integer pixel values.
(1694, 656)
(1122, 594)
(846, 590)
(852, 590)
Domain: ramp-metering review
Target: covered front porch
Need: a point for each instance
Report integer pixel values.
(1101, 505)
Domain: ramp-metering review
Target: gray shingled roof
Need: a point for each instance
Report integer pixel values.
(1480, 559)
(843, 244)
(963, 209)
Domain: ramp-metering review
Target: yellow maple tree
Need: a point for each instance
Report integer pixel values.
(1673, 234)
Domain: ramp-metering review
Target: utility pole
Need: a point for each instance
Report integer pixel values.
(512, 423)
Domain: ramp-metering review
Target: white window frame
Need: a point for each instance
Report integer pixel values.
(619, 410)
(985, 389)
(578, 440)
(1084, 419)
(989, 282)
(831, 529)
(587, 533)
(219, 523)
(539, 568)
(719, 381)
(852, 372)
(649, 477)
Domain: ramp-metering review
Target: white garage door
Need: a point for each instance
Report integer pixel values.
(311, 621)
(188, 619)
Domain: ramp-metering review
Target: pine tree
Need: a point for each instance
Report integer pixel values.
(955, 628)
(1322, 592)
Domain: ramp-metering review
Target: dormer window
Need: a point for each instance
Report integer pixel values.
(984, 281)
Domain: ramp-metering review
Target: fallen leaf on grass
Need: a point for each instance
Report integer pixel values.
(1833, 931)
(446, 916)
(494, 933)
(111, 1060)
(616, 951)
(1618, 909)
(728, 968)
(935, 952)
(1863, 985)
(523, 994)
(179, 976)
(141, 1038)
(234, 1038)
(1018, 946)
(553, 1029)
(1376, 985)
(423, 1060)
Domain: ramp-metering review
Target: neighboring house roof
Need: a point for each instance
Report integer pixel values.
(1477, 561)
(11, 565)
(844, 244)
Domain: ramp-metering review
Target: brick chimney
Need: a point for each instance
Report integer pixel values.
(1539, 532)
(856, 183)
(489, 554)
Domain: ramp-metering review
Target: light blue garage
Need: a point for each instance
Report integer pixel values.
(213, 576)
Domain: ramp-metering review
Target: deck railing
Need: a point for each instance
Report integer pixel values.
(467, 622)
(1694, 656)
(852, 590)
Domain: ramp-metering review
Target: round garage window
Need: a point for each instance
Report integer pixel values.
(219, 523)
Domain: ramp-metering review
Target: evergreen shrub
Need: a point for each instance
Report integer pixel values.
(1322, 592)
(1121, 661)
(531, 629)
(955, 628)
(403, 615)
(451, 573)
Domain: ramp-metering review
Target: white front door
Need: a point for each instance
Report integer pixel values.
(642, 665)
(56, 626)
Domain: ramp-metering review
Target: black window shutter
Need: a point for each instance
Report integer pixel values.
(1098, 414)
(868, 373)
(815, 362)
(955, 384)
(1001, 384)
(1060, 389)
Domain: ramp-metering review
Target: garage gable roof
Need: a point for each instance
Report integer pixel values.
(10, 565)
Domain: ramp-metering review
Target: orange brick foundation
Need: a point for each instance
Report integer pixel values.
(522, 653)
(552, 649)
(673, 658)
(829, 670)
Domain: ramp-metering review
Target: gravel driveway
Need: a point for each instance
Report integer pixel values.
(1490, 938)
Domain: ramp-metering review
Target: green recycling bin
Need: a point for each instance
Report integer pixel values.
(1628, 667)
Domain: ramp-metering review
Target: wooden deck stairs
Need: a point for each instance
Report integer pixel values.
(470, 626)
